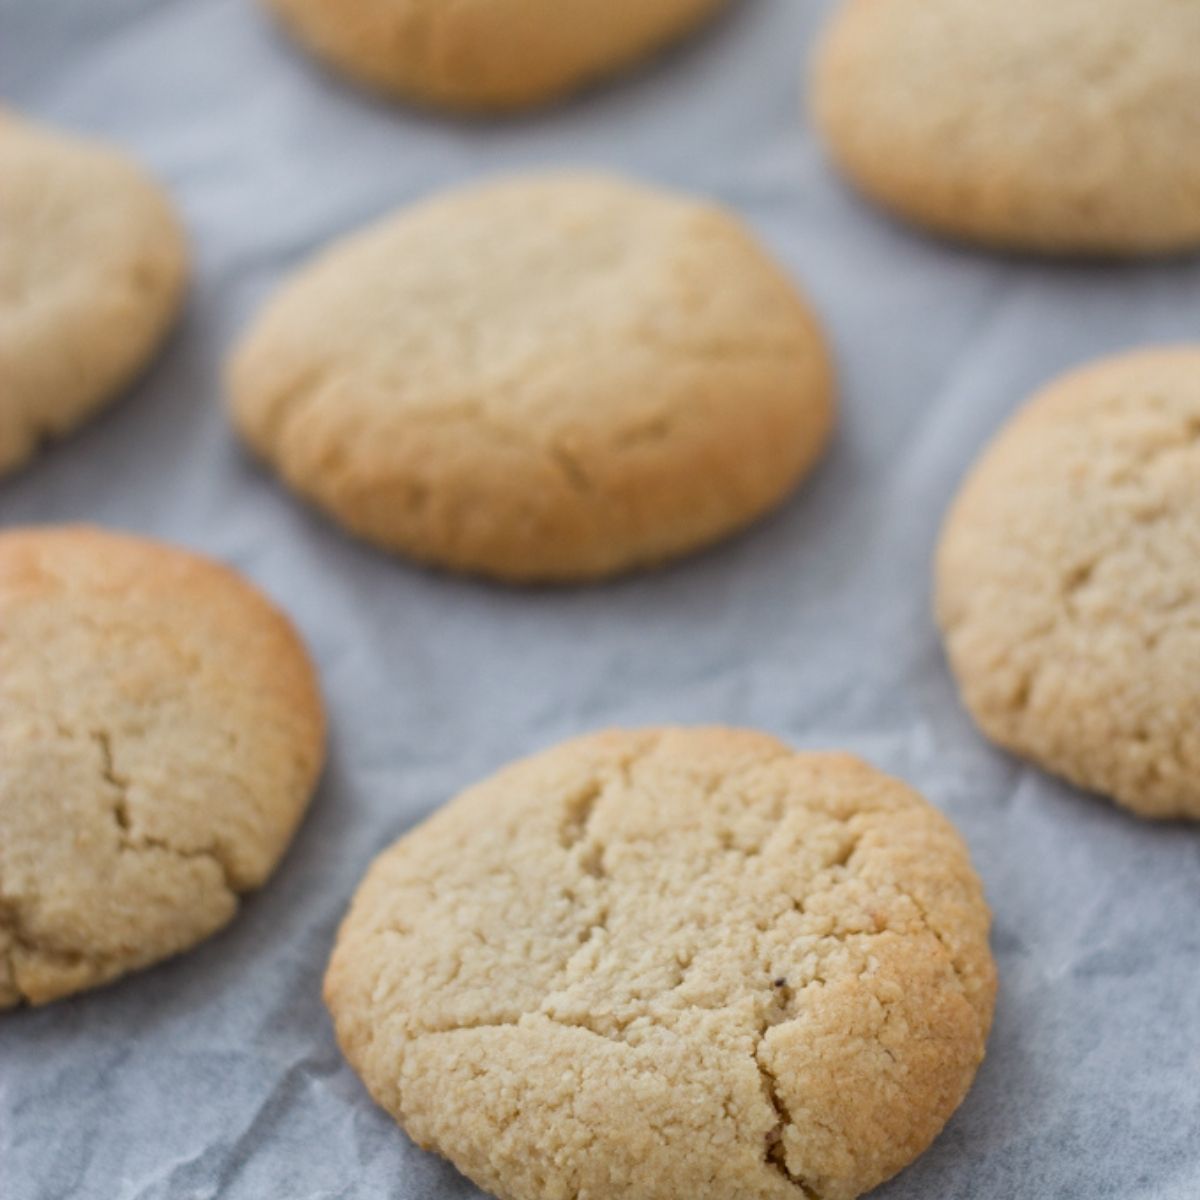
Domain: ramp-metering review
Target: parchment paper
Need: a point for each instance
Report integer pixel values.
(216, 1075)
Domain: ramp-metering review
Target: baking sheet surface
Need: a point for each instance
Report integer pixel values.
(216, 1075)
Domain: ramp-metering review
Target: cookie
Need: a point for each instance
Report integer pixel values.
(92, 267)
(1068, 589)
(160, 734)
(670, 964)
(1063, 127)
(489, 54)
(542, 379)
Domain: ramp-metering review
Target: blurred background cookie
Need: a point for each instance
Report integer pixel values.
(1063, 127)
(487, 54)
(550, 378)
(1069, 582)
(682, 964)
(92, 268)
(160, 735)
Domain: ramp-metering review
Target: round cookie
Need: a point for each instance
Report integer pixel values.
(1061, 127)
(92, 268)
(160, 733)
(667, 964)
(487, 54)
(551, 378)
(1068, 589)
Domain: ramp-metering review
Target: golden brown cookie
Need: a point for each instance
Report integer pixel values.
(1065, 126)
(92, 267)
(671, 965)
(486, 54)
(160, 735)
(551, 378)
(1069, 582)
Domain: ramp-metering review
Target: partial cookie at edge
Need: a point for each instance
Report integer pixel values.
(491, 55)
(1067, 583)
(161, 731)
(1056, 128)
(92, 269)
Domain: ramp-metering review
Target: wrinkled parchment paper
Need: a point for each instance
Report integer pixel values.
(216, 1075)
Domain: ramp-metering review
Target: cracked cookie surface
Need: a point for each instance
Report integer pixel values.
(671, 963)
(1053, 127)
(92, 267)
(489, 54)
(1068, 587)
(543, 379)
(160, 734)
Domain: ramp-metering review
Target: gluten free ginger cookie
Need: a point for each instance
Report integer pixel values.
(542, 379)
(488, 54)
(1066, 126)
(160, 734)
(92, 266)
(1069, 582)
(670, 964)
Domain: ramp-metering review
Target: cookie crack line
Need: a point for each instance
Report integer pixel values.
(539, 1014)
(580, 807)
(103, 740)
(774, 1154)
(571, 468)
(288, 404)
(575, 832)
(211, 853)
(936, 933)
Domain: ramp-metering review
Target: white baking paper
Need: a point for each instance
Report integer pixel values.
(216, 1075)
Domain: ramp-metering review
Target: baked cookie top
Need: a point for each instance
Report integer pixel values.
(547, 378)
(92, 268)
(489, 54)
(668, 964)
(160, 734)
(1065, 127)
(1068, 582)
